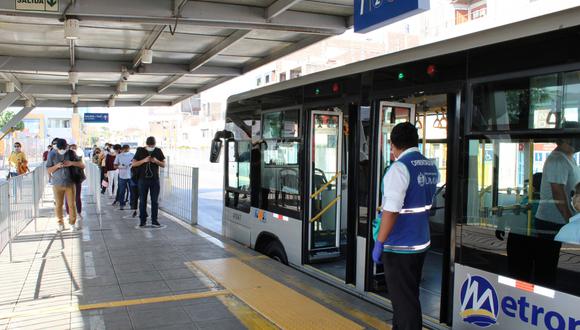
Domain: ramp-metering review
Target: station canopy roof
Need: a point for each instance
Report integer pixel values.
(191, 46)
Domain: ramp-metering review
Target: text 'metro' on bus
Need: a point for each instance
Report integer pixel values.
(497, 111)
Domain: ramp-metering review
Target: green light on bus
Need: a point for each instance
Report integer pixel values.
(317, 91)
(401, 76)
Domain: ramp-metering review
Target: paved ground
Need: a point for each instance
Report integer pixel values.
(120, 277)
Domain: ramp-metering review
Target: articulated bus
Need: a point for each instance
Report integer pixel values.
(304, 160)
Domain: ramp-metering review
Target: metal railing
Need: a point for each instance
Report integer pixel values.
(179, 192)
(93, 173)
(20, 199)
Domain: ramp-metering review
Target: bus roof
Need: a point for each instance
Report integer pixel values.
(534, 26)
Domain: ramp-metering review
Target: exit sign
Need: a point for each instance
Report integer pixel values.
(37, 5)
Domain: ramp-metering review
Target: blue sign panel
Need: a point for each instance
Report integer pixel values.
(96, 117)
(373, 14)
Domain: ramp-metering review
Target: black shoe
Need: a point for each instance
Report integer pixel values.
(134, 214)
(114, 203)
(156, 225)
(121, 208)
(142, 225)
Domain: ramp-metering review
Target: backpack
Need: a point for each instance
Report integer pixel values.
(77, 174)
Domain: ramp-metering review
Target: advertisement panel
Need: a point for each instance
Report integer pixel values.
(486, 300)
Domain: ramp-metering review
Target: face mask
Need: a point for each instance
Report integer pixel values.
(61, 152)
(150, 149)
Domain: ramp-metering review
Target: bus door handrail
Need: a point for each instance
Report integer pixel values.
(325, 209)
(319, 191)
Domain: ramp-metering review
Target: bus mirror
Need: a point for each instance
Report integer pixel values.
(216, 148)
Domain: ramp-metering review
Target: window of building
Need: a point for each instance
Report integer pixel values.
(58, 123)
(282, 76)
(267, 79)
(258, 81)
(295, 73)
(540, 102)
(238, 178)
(280, 177)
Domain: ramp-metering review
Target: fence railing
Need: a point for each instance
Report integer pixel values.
(20, 199)
(179, 192)
(93, 173)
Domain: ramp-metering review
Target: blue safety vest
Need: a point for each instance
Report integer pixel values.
(410, 233)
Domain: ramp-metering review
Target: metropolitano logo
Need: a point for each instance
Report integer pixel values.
(479, 302)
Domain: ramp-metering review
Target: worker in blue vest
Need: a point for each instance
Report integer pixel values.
(402, 238)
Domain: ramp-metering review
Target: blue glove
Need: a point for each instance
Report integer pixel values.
(378, 252)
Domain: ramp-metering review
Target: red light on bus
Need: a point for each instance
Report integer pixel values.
(431, 70)
(335, 88)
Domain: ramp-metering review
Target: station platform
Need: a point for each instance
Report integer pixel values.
(112, 275)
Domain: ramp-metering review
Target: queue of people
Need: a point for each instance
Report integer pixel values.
(132, 179)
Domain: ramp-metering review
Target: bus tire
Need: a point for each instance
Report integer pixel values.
(275, 250)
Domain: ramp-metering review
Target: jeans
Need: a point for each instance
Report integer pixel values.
(59, 193)
(123, 188)
(146, 186)
(134, 195)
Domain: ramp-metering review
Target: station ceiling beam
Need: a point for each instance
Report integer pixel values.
(15, 120)
(18, 86)
(8, 99)
(39, 65)
(196, 13)
(96, 104)
(99, 90)
(278, 7)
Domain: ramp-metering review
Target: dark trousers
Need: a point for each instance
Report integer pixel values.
(403, 277)
(134, 195)
(146, 186)
(122, 191)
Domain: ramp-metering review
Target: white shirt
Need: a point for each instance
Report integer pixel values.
(395, 184)
(124, 162)
(560, 169)
(570, 233)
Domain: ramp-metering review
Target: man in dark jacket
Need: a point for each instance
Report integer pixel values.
(147, 160)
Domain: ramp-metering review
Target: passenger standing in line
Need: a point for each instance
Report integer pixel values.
(58, 164)
(17, 162)
(560, 176)
(148, 160)
(96, 156)
(123, 164)
(403, 236)
(46, 152)
(78, 184)
(103, 165)
(112, 172)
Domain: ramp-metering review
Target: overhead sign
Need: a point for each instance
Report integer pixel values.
(96, 117)
(38, 5)
(486, 300)
(372, 14)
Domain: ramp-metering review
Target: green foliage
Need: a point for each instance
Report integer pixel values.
(6, 116)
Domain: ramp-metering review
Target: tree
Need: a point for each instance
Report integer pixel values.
(6, 116)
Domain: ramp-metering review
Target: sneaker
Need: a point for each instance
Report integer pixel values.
(122, 208)
(134, 214)
(114, 203)
(156, 225)
(61, 227)
(142, 225)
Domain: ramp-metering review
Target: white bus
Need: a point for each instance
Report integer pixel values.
(304, 159)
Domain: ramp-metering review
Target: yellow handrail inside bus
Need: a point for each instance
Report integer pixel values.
(324, 210)
(324, 186)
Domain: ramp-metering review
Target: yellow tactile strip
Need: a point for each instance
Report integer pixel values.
(281, 305)
(113, 304)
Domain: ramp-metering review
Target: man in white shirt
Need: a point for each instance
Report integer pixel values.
(560, 176)
(123, 164)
